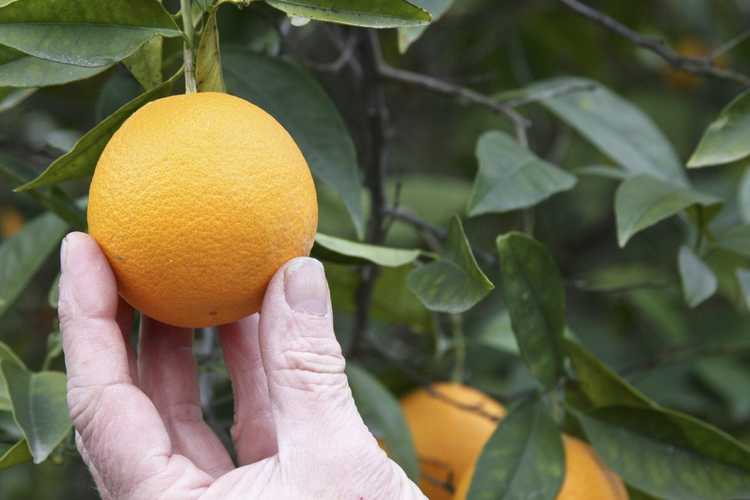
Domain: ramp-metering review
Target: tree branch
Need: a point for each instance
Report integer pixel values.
(698, 66)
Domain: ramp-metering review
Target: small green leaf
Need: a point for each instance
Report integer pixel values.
(525, 454)
(743, 278)
(382, 414)
(10, 97)
(39, 407)
(22, 70)
(145, 63)
(668, 454)
(23, 254)
(81, 160)
(300, 104)
(15, 455)
(642, 201)
(343, 251)
(436, 8)
(725, 140)
(208, 73)
(54, 349)
(83, 32)
(698, 280)
(743, 197)
(602, 386)
(512, 177)
(735, 239)
(378, 14)
(535, 298)
(616, 127)
(729, 379)
(454, 283)
(602, 171)
(7, 354)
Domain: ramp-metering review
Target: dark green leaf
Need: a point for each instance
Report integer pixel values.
(725, 140)
(54, 349)
(512, 177)
(39, 407)
(83, 32)
(10, 97)
(294, 98)
(343, 251)
(23, 254)
(145, 63)
(642, 201)
(7, 354)
(454, 283)
(368, 13)
(535, 298)
(743, 278)
(525, 454)
(22, 70)
(81, 160)
(382, 414)
(669, 455)
(729, 379)
(54, 293)
(743, 197)
(15, 455)
(735, 239)
(698, 280)
(208, 73)
(436, 8)
(602, 386)
(618, 128)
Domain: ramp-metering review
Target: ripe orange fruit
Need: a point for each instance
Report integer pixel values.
(196, 201)
(447, 438)
(586, 477)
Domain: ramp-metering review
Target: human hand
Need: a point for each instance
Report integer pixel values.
(138, 422)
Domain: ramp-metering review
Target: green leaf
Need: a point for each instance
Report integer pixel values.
(743, 197)
(525, 454)
(22, 70)
(602, 171)
(382, 413)
(39, 407)
(698, 280)
(642, 201)
(367, 13)
(294, 98)
(83, 32)
(602, 386)
(54, 293)
(15, 455)
(512, 177)
(54, 199)
(436, 8)
(7, 354)
(669, 455)
(725, 140)
(454, 283)
(54, 349)
(616, 127)
(343, 251)
(729, 379)
(145, 63)
(535, 298)
(208, 73)
(81, 160)
(735, 238)
(10, 97)
(743, 278)
(23, 254)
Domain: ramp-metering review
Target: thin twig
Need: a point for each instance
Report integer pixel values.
(681, 354)
(728, 45)
(346, 54)
(186, 9)
(406, 215)
(378, 125)
(698, 66)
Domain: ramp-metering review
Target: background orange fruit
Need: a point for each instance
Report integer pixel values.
(448, 438)
(196, 201)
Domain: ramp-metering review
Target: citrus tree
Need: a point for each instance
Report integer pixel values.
(516, 220)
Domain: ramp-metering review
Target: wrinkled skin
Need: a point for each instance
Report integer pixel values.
(138, 422)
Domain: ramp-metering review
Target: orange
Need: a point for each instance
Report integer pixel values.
(11, 221)
(196, 201)
(586, 477)
(448, 438)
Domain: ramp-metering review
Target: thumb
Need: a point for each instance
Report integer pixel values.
(310, 397)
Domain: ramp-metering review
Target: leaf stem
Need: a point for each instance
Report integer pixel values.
(459, 347)
(186, 9)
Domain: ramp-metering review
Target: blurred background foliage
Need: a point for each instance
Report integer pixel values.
(624, 304)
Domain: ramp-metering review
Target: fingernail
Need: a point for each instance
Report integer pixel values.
(305, 287)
